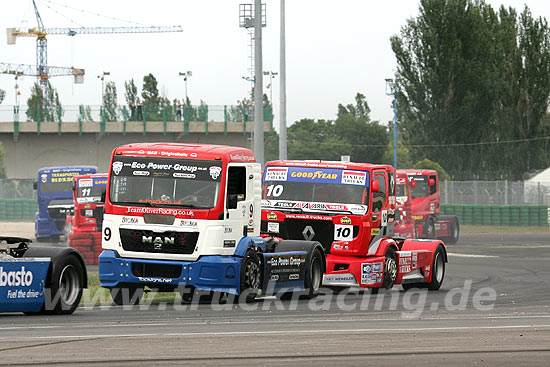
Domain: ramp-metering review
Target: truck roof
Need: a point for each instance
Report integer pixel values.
(328, 164)
(417, 172)
(184, 150)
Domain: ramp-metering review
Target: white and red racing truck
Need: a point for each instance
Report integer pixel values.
(349, 208)
(186, 217)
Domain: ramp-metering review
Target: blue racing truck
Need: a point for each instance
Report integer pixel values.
(55, 199)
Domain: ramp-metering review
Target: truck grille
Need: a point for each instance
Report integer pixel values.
(323, 231)
(165, 242)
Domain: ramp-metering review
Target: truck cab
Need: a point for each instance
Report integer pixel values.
(55, 199)
(187, 217)
(83, 227)
(350, 209)
(404, 222)
(426, 209)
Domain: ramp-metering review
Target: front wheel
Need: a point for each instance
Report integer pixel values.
(390, 270)
(438, 269)
(250, 275)
(126, 296)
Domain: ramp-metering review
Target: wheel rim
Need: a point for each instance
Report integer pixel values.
(68, 285)
(455, 231)
(431, 230)
(315, 274)
(252, 274)
(438, 268)
(391, 268)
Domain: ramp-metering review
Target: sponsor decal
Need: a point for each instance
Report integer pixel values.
(308, 216)
(415, 256)
(428, 267)
(354, 177)
(273, 227)
(345, 220)
(215, 172)
(164, 211)
(44, 178)
(85, 182)
(117, 167)
(432, 208)
(336, 207)
(366, 273)
(405, 269)
(314, 175)
(400, 181)
(418, 217)
(241, 157)
(229, 243)
(141, 173)
(377, 267)
(271, 216)
(404, 261)
(274, 277)
(375, 231)
(184, 175)
(15, 278)
(227, 230)
(189, 223)
(294, 277)
(437, 226)
(276, 174)
(155, 280)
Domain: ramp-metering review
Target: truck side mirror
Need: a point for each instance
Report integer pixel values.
(35, 185)
(375, 185)
(431, 182)
(232, 201)
(413, 183)
(74, 185)
(103, 196)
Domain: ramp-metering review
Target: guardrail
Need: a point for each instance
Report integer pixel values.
(126, 116)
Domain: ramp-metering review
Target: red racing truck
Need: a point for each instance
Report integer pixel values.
(349, 208)
(423, 187)
(83, 228)
(186, 218)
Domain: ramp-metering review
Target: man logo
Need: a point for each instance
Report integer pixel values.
(158, 241)
(308, 233)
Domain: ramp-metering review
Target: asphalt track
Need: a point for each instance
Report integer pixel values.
(493, 310)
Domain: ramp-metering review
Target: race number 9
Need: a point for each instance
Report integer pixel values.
(107, 233)
(343, 232)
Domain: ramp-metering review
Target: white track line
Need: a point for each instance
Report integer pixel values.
(468, 255)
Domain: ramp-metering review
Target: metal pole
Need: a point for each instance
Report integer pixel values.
(258, 85)
(282, 88)
(394, 131)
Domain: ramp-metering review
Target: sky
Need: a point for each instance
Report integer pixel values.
(334, 49)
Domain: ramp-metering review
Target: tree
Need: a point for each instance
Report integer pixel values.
(85, 113)
(41, 109)
(310, 139)
(427, 164)
(150, 96)
(468, 78)
(131, 95)
(110, 104)
(367, 139)
(2, 95)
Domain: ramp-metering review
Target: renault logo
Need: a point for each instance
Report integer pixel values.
(308, 233)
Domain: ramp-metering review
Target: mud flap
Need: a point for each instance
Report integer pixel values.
(284, 270)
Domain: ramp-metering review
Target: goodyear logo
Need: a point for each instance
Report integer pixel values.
(345, 220)
(315, 175)
(271, 216)
(375, 231)
(418, 217)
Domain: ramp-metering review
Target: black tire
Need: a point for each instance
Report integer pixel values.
(67, 283)
(250, 276)
(438, 269)
(314, 274)
(129, 295)
(390, 270)
(455, 232)
(429, 228)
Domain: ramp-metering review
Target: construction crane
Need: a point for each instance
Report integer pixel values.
(40, 32)
(32, 70)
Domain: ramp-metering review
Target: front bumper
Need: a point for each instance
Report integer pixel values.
(350, 271)
(209, 273)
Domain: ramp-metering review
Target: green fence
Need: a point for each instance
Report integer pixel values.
(18, 209)
(499, 215)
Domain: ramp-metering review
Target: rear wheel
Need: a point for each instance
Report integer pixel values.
(390, 270)
(250, 275)
(455, 231)
(438, 273)
(314, 276)
(67, 285)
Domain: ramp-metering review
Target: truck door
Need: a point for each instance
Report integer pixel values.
(240, 209)
(379, 200)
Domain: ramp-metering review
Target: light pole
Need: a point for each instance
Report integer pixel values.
(186, 75)
(272, 75)
(102, 77)
(390, 91)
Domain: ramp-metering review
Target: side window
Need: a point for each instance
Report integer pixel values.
(433, 188)
(236, 186)
(379, 198)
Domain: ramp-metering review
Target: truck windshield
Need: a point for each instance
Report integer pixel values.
(56, 181)
(421, 189)
(90, 190)
(316, 185)
(165, 182)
